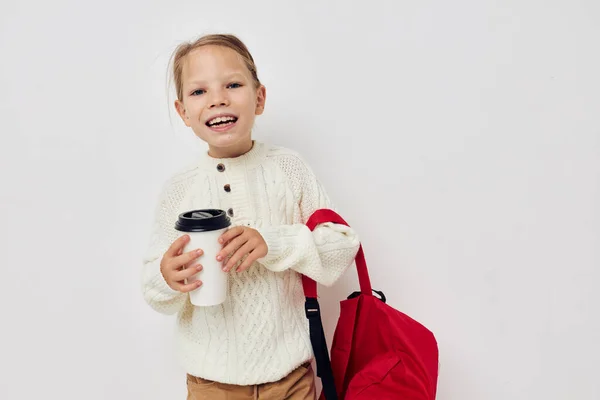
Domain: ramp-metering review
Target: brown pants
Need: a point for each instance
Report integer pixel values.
(298, 385)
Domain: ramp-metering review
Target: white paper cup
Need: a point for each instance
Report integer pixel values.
(204, 228)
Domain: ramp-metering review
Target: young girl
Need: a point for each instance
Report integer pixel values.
(256, 345)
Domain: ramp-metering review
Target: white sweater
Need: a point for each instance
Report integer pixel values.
(260, 334)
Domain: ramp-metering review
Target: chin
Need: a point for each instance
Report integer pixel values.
(223, 140)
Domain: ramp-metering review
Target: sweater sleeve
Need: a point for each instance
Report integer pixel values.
(155, 290)
(323, 254)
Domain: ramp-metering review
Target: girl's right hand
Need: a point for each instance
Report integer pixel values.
(176, 266)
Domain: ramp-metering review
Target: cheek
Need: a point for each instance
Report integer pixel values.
(244, 98)
(194, 109)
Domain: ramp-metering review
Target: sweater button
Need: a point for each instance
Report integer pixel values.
(230, 212)
(227, 188)
(220, 167)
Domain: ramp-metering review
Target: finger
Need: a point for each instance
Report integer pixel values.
(247, 262)
(185, 288)
(187, 272)
(242, 251)
(230, 234)
(231, 247)
(177, 246)
(187, 258)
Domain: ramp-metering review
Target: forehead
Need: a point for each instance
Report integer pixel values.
(212, 62)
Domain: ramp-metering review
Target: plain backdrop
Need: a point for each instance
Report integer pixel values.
(461, 139)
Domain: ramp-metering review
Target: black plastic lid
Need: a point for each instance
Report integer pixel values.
(202, 220)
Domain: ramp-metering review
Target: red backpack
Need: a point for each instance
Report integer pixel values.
(378, 353)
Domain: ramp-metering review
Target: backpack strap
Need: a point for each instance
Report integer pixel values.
(313, 311)
(319, 345)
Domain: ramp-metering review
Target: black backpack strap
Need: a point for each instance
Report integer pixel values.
(319, 345)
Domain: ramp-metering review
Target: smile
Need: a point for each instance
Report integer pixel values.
(221, 121)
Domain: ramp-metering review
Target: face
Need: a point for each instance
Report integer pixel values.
(220, 100)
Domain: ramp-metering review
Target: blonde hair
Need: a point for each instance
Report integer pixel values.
(225, 40)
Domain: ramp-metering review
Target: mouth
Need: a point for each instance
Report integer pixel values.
(222, 122)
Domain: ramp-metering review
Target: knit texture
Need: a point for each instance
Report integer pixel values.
(260, 333)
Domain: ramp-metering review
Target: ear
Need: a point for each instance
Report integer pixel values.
(182, 112)
(261, 98)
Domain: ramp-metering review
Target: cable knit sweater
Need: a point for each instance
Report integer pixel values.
(260, 334)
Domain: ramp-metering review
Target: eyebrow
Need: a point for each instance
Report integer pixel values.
(227, 78)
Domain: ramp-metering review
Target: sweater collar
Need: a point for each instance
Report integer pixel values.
(249, 159)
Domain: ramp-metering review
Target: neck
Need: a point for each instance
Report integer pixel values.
(234, 151)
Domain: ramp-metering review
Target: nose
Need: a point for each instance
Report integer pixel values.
(218, 99)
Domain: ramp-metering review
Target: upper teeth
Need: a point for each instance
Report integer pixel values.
(220, 119)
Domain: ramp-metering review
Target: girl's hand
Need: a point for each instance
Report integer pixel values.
(176, 266)
(241, 242)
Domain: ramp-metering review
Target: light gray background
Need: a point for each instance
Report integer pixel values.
(461, 139)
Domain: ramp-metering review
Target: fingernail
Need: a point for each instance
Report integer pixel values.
(199, 267)
(198, 283)
(225, 269)
(199, 252)
(220, 240)
(219, 258)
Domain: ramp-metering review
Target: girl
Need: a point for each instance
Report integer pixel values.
(256, 345)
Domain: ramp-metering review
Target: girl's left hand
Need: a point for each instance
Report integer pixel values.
(241, 242)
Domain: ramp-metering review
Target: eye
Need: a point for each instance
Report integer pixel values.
(234, 85)
(197, 92)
